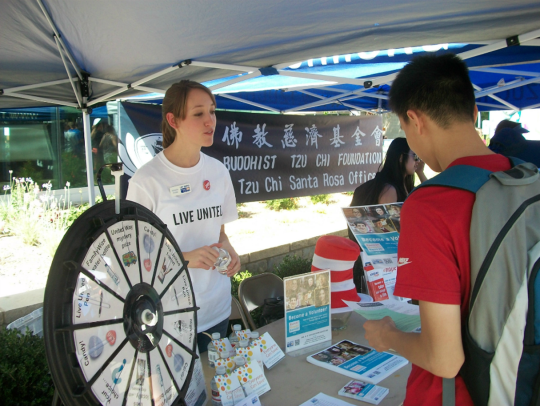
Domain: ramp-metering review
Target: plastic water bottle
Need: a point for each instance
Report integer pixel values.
(216, 397)
(233, 338)
(213, 354)
(254, 335)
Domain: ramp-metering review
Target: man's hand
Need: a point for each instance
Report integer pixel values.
(377, 331)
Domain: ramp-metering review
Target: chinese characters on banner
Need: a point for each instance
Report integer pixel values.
(271, 156)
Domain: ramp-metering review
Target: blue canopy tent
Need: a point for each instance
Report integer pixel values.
(504, 80)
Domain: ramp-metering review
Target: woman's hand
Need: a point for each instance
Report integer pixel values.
(234, 266)
(204, 257)
(419, 169)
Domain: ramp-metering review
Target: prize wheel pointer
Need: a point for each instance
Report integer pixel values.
(119, 312)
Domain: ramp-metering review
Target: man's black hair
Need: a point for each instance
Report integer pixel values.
(438, 86)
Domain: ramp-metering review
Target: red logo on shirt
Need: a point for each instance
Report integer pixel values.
(206, 185)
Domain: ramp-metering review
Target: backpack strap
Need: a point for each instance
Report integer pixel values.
(464, 177)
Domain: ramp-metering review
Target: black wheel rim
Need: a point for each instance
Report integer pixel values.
(119, 315)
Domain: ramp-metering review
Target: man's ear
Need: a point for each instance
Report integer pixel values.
(475, 113)
(416, 120)
(171, 119)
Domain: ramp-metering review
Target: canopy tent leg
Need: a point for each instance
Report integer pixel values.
(89, 160)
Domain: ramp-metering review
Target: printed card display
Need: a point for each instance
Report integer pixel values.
(178, 295)
(363, 391)
(196, 394)
(271, 353)
(139, 387)
(177, 359)
(252, 379)
(243, 334)
(169, 265)
(307, 310)
(163, 390)
(224, 348)
(101, 261)
(182, 327)
(149, 243)
(251, 400)
(251, 354)
(358, 361)
(92, 303)
(95, 345)
(110, 387)
(123, 237)
(229, 388)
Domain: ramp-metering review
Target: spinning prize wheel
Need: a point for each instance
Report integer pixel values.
(120, 320)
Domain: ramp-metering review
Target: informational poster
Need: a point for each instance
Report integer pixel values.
(270, 156)
(376, 228)
(307, 310)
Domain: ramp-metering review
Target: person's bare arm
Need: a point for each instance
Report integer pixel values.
(437, 349)
(388, 195)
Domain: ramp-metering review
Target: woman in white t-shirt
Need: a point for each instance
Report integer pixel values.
(193, 194)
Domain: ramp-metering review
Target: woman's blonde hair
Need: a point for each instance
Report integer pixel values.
(175, 102)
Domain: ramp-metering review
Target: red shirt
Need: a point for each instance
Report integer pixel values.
(434, 247)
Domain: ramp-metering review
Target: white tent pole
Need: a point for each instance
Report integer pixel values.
(364, 94)
(340, 101)
(497, 98)
(262, 106)
(89, 160)
(224, 66)
(511, 85)
(327, 78)
(534, 106)
(149, 89)
(41, 99)
(255, 74)
(499, 45)
(120, 84)
(496, 106)
(57, 34)
(29, 87)
(137, 83)
(75, 90)
(506, 71)
(107, 96)
(158, 74)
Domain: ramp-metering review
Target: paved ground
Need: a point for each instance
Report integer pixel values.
(24, 267)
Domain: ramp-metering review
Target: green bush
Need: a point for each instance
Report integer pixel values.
(236, 280)
(290, 203)
(292, 265)
(324, 198)
(24, 375)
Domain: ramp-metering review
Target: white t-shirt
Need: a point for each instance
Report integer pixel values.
(194, 218)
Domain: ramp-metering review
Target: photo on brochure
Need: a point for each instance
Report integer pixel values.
(341, 353)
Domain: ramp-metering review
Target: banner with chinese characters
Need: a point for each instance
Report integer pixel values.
(271, 156)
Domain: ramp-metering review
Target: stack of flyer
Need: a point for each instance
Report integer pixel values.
(376, 228)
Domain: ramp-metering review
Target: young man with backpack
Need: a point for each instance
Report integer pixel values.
(434, 100)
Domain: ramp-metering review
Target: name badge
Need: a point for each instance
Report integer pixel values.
(180, 190)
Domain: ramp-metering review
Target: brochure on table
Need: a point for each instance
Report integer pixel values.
(363, 391)
(324, 400)
(307, 310)
(358, 361)
(405, 315)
